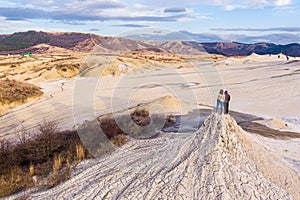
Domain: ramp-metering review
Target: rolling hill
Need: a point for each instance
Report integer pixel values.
(80, 42)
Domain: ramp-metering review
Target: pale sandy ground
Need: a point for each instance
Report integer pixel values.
(264, 87)
(268, 89)
(262, 90)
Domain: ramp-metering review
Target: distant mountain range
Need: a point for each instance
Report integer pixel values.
(279, 38)
(31, 40)
(238, 49)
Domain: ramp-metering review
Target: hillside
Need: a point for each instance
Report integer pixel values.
(17, 42)
(22, 40)
(80, 42)
(238, 49)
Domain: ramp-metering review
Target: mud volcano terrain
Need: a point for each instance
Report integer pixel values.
(219, 161)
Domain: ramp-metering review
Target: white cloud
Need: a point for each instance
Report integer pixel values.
(238, 4)
(8, 26)
(284, 7)
(283, 2)
(204, 17)
(139, 6)
(283, 10)
(243, 4)
(145, 4)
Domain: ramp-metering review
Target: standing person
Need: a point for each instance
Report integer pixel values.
(226, 103)
(287, 58)
(220, 101)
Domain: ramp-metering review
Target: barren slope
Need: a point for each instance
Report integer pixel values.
(216, 162)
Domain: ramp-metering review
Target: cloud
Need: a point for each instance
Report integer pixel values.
(151, 18)
(22, 13)
(70, 4)
(106, 4)
(132, 25)
(15, 19)
(72, 22)
(175, 10)
(230, 5)
(283, 2)
(13, 25)
(239, 4)
(80, 5)
(173, 36)
(94, 30)
(283, 38)
(282, 29)
(76, 17)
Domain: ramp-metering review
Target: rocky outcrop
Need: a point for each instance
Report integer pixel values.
(219, 161)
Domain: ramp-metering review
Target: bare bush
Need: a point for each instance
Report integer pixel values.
(141, 117)
(48, 151)
(110, 127)
(119, 140)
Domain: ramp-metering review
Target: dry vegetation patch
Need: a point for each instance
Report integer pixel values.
(47, 156)
(43, 158)
(112, 131)
(16, 91)
(141, 117)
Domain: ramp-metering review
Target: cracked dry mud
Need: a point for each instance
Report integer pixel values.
(219, 161)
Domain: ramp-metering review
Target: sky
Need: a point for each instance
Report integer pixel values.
(225, 20)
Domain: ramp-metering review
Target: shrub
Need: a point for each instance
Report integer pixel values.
(37, 155)
(45, 157)
(119, 140)
(110, 127)
(141, 117)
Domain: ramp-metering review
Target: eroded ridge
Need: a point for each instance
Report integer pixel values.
(211, 163)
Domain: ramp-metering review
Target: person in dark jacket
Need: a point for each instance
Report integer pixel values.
(226, 102)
